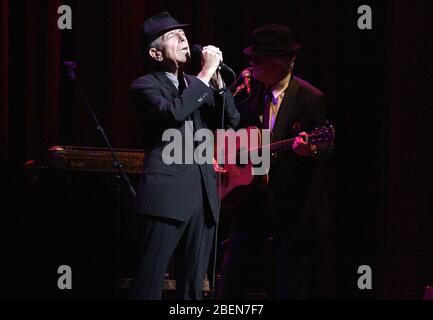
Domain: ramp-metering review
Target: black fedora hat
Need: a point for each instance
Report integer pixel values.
(272, 40)
(157, 25)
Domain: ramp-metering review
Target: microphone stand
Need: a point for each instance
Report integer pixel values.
(71, 66)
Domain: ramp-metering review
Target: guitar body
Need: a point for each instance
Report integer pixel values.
(236, 179)
(234, 176)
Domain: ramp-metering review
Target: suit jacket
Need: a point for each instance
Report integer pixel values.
(298, 199)
(169, 191)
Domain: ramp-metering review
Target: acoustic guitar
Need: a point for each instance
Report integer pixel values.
(233, 176)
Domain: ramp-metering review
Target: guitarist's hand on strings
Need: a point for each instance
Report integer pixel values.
(302, 147)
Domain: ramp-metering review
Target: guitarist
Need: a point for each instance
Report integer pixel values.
(291, 214)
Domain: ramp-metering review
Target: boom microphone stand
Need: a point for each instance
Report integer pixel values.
(71, 66)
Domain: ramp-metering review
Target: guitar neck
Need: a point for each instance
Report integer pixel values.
(279, 146)
(324, 135)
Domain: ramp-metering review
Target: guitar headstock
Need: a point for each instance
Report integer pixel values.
(323, 135)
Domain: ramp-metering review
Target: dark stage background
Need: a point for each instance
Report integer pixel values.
(379, 88)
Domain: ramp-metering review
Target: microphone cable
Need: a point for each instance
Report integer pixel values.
(222, 92)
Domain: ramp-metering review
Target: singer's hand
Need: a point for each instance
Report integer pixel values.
(211, 59)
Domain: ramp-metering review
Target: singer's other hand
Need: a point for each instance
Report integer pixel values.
(211, 59)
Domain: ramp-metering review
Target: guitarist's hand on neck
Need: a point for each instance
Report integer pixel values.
(302, 147)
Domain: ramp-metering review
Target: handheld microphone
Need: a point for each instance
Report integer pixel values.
(196, 56)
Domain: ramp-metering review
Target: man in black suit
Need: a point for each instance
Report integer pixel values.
(292, 214)
(177, 203)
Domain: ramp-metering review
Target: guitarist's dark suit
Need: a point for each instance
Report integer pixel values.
(178, 203)
(296, 196)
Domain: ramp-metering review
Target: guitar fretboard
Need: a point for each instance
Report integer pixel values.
(316, 136)
(281, 145)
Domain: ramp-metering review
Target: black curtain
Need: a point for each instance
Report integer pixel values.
(378, 84)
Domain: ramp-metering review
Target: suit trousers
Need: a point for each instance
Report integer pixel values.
(191, 243)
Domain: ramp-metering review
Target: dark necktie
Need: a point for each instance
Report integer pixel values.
(181, 80)
(180, 88)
